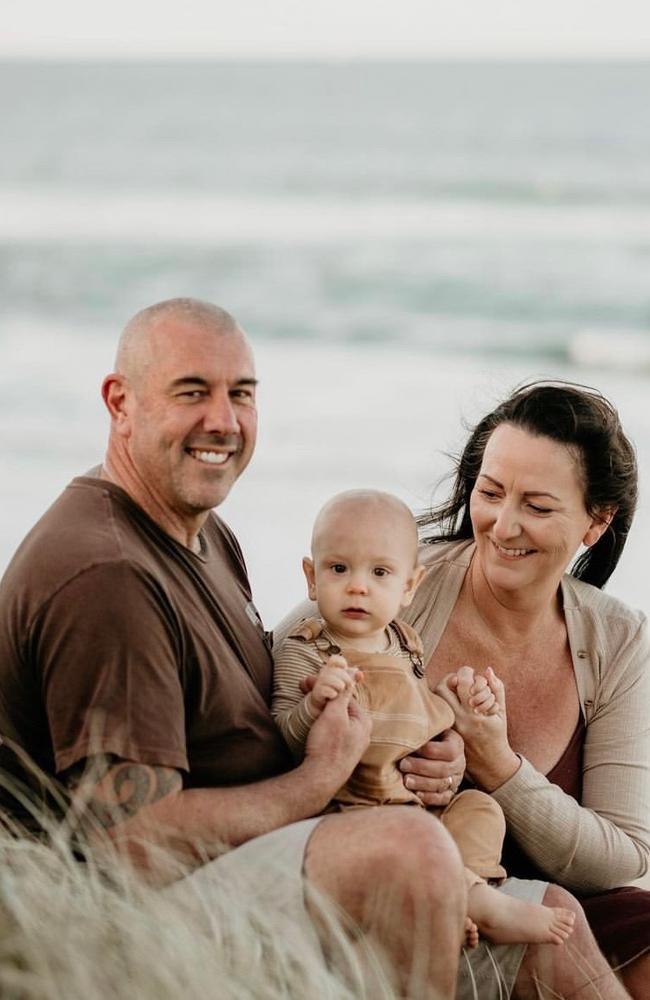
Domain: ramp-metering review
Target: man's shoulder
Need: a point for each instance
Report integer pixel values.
(87, 525)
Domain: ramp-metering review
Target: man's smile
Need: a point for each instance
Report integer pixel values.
(208, 456)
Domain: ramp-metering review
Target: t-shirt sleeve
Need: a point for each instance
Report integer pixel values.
(108, 649)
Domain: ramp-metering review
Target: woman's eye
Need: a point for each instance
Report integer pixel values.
(539, 510)
(489, 494)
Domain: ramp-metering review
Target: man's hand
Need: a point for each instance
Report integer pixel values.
(337, 740)
(436, 770)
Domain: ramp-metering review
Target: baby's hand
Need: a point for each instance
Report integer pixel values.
(477, 693)
(482, 699)
(334, 678)
(473, 691)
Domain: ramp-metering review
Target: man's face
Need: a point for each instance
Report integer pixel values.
(192, 416)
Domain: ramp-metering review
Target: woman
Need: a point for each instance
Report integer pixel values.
(547, 473)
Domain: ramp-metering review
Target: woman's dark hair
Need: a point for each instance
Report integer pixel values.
(586, 422)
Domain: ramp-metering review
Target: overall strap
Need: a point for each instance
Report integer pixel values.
(410, 643)
(311, 630)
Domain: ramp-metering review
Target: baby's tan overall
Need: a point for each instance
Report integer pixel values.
(405, 715)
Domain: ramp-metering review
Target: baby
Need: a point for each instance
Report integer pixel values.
(363, 570)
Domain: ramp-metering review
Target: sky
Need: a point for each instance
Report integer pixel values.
(326, 28)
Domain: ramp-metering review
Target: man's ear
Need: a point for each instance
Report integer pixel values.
(599, 525)
(115, 393)
(310, 577)
(412, 585)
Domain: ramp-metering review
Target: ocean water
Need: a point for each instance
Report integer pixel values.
(403, 241)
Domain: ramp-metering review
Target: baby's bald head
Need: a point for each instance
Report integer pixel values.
(357, 512)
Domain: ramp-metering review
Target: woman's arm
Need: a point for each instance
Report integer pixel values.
(604, 841)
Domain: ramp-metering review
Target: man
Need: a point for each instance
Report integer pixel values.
(134, 667)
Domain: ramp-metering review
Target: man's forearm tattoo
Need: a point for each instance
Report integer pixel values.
(113, 791)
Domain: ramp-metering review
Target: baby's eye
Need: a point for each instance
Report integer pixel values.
(338, 568)
(380, 571)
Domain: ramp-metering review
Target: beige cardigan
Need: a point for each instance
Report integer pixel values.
(604, 841)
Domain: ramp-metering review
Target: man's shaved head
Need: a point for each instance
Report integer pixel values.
(135, 347)
(183, 413)
(355, 506)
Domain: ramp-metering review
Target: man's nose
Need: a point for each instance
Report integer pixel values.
(220, 416)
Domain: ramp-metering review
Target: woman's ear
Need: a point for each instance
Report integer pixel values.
(310, 577)
(599, 525)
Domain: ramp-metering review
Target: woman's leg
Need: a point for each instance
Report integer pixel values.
(620, 920)
(576, 971)
(636, 977)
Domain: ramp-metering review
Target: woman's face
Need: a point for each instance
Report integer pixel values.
(528, 511)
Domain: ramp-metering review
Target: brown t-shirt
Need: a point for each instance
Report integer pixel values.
(116, 638)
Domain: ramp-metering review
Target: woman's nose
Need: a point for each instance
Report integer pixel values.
(507, 524)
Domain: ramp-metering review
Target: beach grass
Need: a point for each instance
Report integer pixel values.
(81, 930)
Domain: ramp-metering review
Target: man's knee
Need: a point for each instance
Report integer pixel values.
(395, 846)
(422, 844)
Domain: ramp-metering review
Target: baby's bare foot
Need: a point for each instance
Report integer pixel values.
(504, 919)
(471, 933)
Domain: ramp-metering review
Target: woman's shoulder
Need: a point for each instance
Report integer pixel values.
(581, 596)
(611, 629)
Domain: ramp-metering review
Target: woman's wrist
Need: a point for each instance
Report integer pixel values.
(491, 774)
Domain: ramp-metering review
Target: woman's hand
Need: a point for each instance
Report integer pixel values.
(490, 758)
(436, 770)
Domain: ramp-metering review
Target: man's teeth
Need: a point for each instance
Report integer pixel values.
(213, 457)
(512, 552)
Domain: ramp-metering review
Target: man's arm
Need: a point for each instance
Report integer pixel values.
(146, 813)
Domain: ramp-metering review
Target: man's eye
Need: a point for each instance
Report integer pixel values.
(192, 393)
(244, 396)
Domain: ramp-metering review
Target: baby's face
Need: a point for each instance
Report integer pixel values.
(363, 570)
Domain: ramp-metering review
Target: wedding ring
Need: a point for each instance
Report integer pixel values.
(450, 781)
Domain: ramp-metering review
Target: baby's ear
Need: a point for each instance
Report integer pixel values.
(310, 577)
(412, 585)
